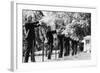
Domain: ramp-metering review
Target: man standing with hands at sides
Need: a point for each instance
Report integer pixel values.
(30, 31)
(50, 40)
(61, 40)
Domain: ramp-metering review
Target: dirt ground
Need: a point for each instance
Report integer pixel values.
(79, 56)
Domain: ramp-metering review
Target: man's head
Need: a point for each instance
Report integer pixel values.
(38, 15)
(49, 28)
(30, 18)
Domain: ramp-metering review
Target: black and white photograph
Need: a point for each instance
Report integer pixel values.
(49, 36)
(52, 36)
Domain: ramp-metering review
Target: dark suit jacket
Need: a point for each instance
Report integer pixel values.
(31, 27)
(50, 35)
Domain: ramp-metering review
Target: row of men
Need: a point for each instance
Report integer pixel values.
(65, 44)
(30, 37)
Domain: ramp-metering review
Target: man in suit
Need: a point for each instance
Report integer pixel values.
(50, 40)
(61, 41)
(30, 30)
(67, 46)
(74, 46)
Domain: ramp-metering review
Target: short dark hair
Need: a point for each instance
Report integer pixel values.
(29, 18)
(40, 12)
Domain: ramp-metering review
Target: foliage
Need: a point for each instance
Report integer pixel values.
(74, 24)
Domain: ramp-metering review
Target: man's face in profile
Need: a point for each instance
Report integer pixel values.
(39, 15)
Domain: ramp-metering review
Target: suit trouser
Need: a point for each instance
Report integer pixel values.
(67, 48)
(61, 49)
(50, 49)
(30, 50)
(74, 48)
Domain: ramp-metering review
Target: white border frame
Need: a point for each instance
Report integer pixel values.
(17, 40)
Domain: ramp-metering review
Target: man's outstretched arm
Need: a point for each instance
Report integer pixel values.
(36, 24)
